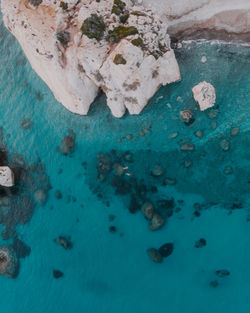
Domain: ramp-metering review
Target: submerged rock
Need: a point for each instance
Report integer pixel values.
(148, 210)
(222, 273)
(166, 249)
(65, 242)
(6, 176)
(225, 145)
(200, 243)
(204, 94)
(157, 170)
(156, 222)
(9, 263)
(68, 143)
(26, 123)
(57, 274)
(187, 117)
(155, 255)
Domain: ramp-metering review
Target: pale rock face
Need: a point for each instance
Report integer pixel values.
(76, 70)
(6, 176)
(204, 94)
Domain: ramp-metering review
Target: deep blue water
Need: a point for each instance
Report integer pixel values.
(111, 272)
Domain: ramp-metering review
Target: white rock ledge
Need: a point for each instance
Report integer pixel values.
(6, 176)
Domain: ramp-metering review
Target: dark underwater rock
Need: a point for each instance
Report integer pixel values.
(200, 243)
(57, 274)
(68, 143)
(26, 123)
(22, 250)
(65, 242)
(222, 273)
(9, 263)
(155, 255)
(166, 249)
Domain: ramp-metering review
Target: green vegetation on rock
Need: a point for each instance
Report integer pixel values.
(63, 37)
(94, 27)
(124, 18)
(118, 7)
(36, 3)
(119, 59)
(138, 42)
(121, 32)
(63, 5)
(138, 13)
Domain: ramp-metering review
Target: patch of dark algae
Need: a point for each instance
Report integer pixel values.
(17, 205)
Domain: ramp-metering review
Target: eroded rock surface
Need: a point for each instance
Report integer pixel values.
(204, 94)
(6, 176)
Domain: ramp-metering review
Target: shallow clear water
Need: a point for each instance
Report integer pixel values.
(111, 272)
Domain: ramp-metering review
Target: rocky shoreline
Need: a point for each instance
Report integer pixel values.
(73, 45)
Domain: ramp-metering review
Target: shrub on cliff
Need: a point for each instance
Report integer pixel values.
(121, 32)
(36, 3)
(63, 37)
(94, 27)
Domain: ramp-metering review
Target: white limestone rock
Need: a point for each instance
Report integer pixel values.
(74, 71)
(204, 94)
(6, 176)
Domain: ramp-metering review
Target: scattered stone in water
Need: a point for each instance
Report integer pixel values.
(170, 181)
(68, 143)
(234, 131)
(22, 250)
(58, 194)
(213, 113)
(134, 205)
(26, 123)
(173, 135)
(203, 59)
(248, 217)
(9, 264)
(112, 229)
(118, 169)
(225, 145)
(200, 243)
(155, 255)
(222, 273)
(57, 274)
(156, 222)
(166, 249)
(111, 217)
(199, 133)
(187, 163)
(65, 242)
(40, 197)
(148, 210)
(214, 283)
(213, 125)
(157, 170)
(228, 170)
(187, 117)
(187, 147)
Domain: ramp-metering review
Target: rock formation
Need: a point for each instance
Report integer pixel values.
(8, 262)
(122, 47)
(204, 94)
(78, 47)
(6, 176)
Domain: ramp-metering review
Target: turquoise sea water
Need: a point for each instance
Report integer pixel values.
(112, 272)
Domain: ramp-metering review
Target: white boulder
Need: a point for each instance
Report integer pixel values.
(204, 94)
(6, 176)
